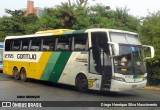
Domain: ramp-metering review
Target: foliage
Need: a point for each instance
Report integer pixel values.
(64, 16)
(78, 16)
(119, 19)
(17, 23)
(73, 17)
(151, 36)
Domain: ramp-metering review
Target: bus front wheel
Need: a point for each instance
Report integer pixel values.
(16, 73)
(23, 75)
(81, 83)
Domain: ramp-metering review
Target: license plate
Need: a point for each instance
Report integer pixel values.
(134, 86)
(129, 76)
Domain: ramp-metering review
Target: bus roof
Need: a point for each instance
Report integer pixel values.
(55, 31)
(67, 31)
(109, 30)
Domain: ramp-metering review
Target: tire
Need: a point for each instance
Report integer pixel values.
(23, 76)
(81, 83)
(16, 73)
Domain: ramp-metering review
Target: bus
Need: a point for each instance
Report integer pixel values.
(1, 55)
(91, 59)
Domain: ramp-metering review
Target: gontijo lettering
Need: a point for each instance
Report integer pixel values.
(26, 56)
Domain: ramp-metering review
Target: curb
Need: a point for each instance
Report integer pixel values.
(152, 88)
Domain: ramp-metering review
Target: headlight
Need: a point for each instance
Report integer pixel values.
(118, 78)
(145, 78)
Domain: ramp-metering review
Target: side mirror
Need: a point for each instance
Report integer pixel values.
(152, 52)
(115, 48)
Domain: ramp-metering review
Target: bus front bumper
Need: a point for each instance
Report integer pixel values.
(122, 86)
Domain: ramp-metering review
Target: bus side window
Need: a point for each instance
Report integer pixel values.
(80, 42)
(16, 45)
(8, 45)
(64, 43)
(25, 44)
(48, 43)
(35, 44)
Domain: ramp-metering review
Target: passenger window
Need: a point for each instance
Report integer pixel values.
(16, 45)
(25, 44)
(35, 45)
(8, 45)
(64, 43)
(48, 44)
(80, 42)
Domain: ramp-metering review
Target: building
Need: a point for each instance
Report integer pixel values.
(34, 10)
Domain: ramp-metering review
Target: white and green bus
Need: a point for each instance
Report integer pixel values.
(96, 59)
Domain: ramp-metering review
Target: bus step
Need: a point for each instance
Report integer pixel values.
(105, 89)
(106, 85)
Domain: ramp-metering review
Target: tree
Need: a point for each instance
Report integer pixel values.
(73, 17)
(103, 17)
(17, 23)
(151, 36)
(64, 16)
(150, 33)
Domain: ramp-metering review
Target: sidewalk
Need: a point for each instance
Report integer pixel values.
(157, 88)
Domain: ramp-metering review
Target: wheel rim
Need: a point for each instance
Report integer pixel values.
(23, 75)
(82, 84)
(15, 73)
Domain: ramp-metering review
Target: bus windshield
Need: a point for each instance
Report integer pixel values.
(124, 38)
(130, 60)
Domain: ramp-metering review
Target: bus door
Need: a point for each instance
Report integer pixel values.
(95, 70)
(106, 69)
(99, 64)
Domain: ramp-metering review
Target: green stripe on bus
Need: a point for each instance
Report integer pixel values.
(59, 66)
(78, 31)
(75, 32)
(50, 65)
(68, 32)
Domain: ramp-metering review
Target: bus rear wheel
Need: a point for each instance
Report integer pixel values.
(81, 83)
(23, 76)
(16, 73)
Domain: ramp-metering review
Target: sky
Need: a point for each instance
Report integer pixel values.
(137, 8)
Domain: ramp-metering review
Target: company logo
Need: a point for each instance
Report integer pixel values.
(21, 104)
(6, 104)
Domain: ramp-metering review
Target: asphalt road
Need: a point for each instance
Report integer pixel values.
(15, 90)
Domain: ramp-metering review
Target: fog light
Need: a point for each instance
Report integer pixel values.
(118, 78)
(145, 78)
